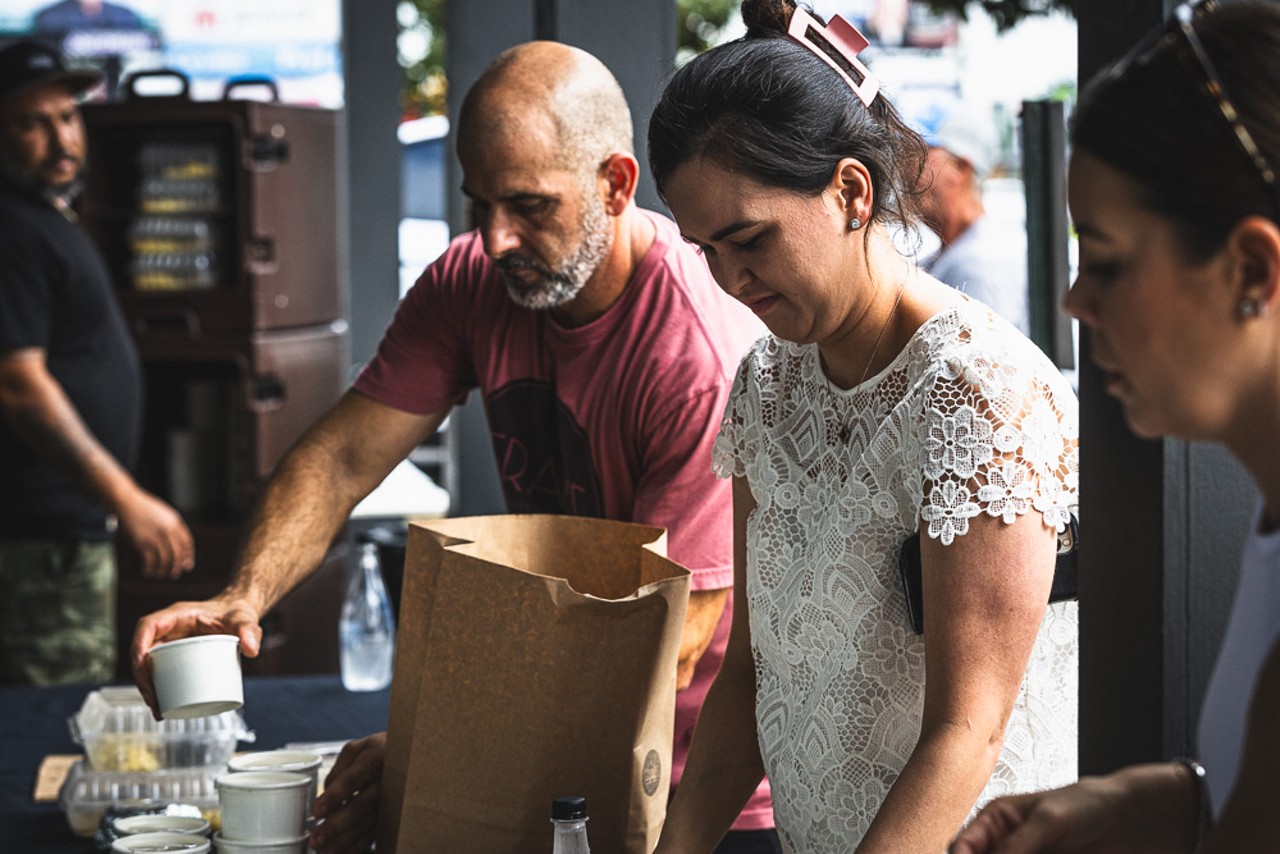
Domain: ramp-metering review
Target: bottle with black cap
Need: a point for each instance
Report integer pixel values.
(569, 817)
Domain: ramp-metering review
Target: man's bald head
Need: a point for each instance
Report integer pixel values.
(553, 89)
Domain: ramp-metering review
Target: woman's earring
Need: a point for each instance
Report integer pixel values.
(855, 224)
(1248, 309)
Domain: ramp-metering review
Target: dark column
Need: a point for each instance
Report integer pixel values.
(372, 78)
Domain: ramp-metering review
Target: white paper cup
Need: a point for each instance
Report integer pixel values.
(298, 761)
(185, 843)
(129, 825)
(197, 676)
(233, 846)
(263, 806)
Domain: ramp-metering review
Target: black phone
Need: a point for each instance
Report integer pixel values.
(1064, 573)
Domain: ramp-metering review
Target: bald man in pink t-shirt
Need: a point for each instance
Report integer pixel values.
(604, 353)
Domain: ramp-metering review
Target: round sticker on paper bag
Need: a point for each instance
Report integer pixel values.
(652, 774)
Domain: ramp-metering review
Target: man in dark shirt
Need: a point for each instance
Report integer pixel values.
(70, 398)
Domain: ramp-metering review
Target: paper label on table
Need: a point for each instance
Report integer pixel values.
(53, 771)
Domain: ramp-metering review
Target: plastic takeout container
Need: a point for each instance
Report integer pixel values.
(118, 733)
(197, 676)
(87, 794)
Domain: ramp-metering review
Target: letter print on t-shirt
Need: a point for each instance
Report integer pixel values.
(544, 458)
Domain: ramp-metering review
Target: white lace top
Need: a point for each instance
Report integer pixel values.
(969, 418)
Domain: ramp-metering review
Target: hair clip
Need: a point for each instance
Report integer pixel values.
(841, 37)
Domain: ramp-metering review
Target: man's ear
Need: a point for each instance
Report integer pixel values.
(852, 189)
(619, 174)
(1253, 247)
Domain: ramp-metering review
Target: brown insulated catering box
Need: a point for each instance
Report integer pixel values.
(217, 217)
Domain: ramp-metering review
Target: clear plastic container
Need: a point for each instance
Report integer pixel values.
(86, 794)
(118, 734)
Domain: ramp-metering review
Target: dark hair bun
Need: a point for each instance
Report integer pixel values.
(767, 17)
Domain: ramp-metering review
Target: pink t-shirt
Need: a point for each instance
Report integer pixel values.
(614, 419)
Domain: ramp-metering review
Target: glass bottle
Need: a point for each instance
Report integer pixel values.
(366, 630)
(569, 817)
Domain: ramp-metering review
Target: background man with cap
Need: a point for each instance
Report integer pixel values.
(981, 257)
(70, 398)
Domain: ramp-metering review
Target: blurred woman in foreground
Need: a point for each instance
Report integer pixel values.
(1173, 190)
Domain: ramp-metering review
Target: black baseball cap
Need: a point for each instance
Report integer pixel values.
(28, 64)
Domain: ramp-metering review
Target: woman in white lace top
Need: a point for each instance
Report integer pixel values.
(1175, 193)
(884, 404)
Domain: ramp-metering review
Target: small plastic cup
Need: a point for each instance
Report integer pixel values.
(298, 761)
(138, 843)
(263, 806)
(235, 846)
(197, 676)
(133, 824)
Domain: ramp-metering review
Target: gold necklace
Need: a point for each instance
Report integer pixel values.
(883, 329)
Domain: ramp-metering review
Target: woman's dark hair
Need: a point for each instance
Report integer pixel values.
(766, 106)
(1158, 124)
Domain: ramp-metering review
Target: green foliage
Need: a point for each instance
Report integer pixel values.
(422, 25)
(700, 21)
(1006, 13)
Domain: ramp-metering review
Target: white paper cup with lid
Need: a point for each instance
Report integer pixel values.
(298, 761)
(197, 676)
(146, 843)
(159, 823)
(297, 845)
(263, 806)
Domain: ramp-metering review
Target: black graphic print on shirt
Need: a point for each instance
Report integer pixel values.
(544, 458)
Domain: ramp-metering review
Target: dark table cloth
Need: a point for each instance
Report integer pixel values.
(33, 724)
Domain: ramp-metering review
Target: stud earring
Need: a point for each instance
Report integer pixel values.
(1248, 309)
(855, 224)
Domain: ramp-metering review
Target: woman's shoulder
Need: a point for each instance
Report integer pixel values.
(968, 339)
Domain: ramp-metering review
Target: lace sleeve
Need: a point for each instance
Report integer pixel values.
(1000, 438)
(728, 454)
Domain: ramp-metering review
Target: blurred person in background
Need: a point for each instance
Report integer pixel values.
(67, 16)
(70, 398)
(980, 256)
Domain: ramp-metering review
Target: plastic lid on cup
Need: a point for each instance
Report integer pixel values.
(153, 842)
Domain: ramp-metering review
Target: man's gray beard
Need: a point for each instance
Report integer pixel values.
(563, 284)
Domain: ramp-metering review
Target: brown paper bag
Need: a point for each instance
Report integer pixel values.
(536, 658)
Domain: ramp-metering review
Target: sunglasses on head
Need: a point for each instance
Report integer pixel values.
(1181, 25)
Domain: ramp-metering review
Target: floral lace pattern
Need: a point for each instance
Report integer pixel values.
(969, 418)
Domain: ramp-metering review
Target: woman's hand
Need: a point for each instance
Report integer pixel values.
(1143, 808)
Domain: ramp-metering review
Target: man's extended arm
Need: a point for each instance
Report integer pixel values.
(336, 463)
(40, 413)
(339, 461)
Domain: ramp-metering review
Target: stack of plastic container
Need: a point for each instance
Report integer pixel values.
(131, 760)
